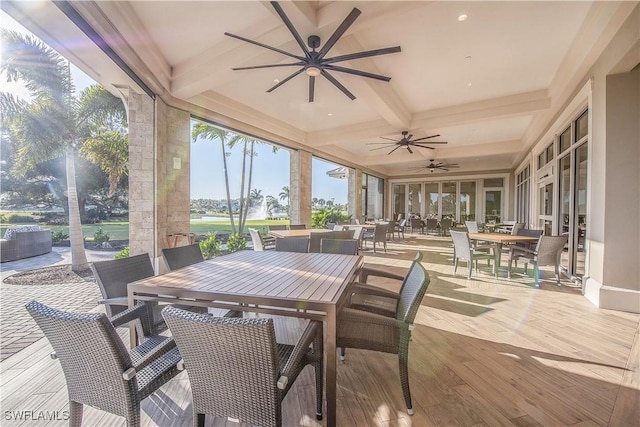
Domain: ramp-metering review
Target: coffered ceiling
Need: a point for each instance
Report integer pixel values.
(488, 84)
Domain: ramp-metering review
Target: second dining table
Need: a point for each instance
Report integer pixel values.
(306, 285)
(498, 239)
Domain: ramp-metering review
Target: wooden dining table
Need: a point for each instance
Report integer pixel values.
(304, 285)
(296, 234)
(498, 239)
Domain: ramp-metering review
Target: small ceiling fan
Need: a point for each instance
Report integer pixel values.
(314, 63)
(432, 166)
(406, 142)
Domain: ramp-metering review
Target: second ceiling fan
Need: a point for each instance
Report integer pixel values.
(406, 142)
(314, 63)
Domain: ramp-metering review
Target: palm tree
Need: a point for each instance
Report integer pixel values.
(213, 133)
(284, 194)
(256, 197)
(53, 123)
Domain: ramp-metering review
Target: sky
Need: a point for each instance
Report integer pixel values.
(270, 173)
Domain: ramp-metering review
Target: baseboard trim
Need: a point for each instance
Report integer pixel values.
(611, 297)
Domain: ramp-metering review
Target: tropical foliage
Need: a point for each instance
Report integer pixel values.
(320, 218)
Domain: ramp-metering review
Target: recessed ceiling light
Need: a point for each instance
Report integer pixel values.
(468, 84)
(276, 81)
(468, 57)
(330, 114)
(462, 17)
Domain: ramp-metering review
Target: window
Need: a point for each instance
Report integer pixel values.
(467, 201)
(399, 200)
(546, 156)
(523, 195)
(415, 200)
(431, 200)
(449, 200)
(372, 194)
(582, 126)
(564, 140)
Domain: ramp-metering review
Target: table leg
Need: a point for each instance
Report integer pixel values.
(133, 337)
(330, 366)
(498, 255)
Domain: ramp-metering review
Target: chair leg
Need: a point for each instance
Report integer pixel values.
(318, 366)
(470, 268)
(403, 355)
(536, 275)
(455, 264)
(557, 268)
(198, 420)
(75, 414)
(342, 351)
(509, 270)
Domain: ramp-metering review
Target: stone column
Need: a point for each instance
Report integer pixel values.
(354, 200)
(300, 188)
(159, 175)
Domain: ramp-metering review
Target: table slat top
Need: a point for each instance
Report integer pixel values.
(310, 277)
(501, 237)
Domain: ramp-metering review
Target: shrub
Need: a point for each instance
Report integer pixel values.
(19, 219)
(236, 243)
(210, 246)
(57, 221)
(59, 235)
(100, 237)
(122, 254)
(320, 218)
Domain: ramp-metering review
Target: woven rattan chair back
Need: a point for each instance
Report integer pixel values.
(232, 365)
(256, 239)
(530, 233)
(412, 291)
(182, 256)
(92, 356)
(277, 227)
(461, 244)
(316, 237)
(516, 227)
(431, 224)
(297, 226)
(472, 226)
(292, 245)
(416, 224)
(549, 250)
(339, 246)
(113, 276)
(445, 225)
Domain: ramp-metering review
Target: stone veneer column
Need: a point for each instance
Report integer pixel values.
(159, 174)
(300, 188)
(354, 201)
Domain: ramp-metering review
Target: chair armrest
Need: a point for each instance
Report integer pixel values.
(151, 350)
(301, 350)
(365, 289)
(365, 272)
(130, 314)
(114, 301)
(352, 316)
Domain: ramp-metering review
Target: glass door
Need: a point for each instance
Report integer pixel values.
(493, 205)
(577, 245)
(545, 215)
(565, 207)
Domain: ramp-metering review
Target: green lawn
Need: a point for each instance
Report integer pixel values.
(119, 230)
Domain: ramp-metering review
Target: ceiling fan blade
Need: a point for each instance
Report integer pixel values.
(382, 148)
(338, 85)
(409, 148)
(389, 139)
(254, 67)
(446, 170)
(364, 54)
(426, 137)
(286, 80)
(380, 143)
(409, 137)
(393, 150)
(291, 28)
(421, 146)
(275, 49)
(312, 86)
(357, 72)
(351, 17)
(429, 142)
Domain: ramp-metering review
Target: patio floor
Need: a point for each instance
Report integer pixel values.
(485, 351)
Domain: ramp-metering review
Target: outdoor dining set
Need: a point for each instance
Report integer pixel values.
(214, 319)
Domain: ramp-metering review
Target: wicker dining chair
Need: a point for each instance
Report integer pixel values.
(417, 226)
(292, 244)
(317, 236)
(382, 320)
(182, 256)
(464, 250)
(548, 251)
(259, 243)
(378, 235)
(339, 246)
(97, 367)
(431, 224)
(238, 370)
(112, 277)
(297, 226)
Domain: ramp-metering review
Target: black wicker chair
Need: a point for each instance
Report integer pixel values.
(464, 250)
(182, 256)
(381, 320)
(548, 251)
(339, 246)
(292, 244)
(237, 369)
(113, 276)
(378, 235)
(98, 369)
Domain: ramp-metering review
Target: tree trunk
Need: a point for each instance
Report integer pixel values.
(226, 181)
(244, 220)
(242, 213)
(78, 255)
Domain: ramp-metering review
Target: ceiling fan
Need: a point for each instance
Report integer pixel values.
(406, 142)
(440, 166)
(314, 63)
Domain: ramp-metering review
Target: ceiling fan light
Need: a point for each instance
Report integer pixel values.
(312, 71)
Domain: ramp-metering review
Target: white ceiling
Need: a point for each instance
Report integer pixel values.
(483, 84)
